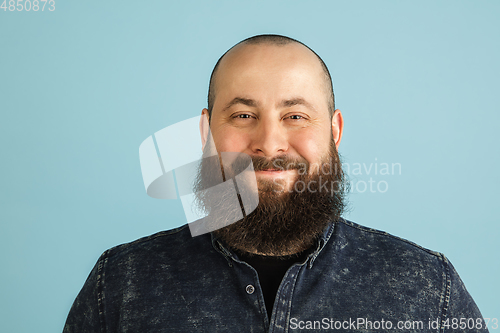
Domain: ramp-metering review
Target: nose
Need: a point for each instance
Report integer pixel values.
(269, 139)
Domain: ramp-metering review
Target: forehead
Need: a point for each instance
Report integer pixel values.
(268, 69)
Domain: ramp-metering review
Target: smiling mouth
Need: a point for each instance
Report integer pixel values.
(273, 171)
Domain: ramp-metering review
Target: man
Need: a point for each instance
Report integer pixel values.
(293, 263)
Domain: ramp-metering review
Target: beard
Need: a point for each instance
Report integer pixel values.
(287, 219)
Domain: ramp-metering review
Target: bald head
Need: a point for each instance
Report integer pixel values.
(296, 51)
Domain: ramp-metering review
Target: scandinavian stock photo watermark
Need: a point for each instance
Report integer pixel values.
(379, 173)
(373, 177)
(218, 186)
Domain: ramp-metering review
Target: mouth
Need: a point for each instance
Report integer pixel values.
(274, 172)
(271, 170)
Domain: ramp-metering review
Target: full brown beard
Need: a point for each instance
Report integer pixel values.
(286, 221)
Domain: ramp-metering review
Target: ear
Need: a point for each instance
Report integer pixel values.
(204, 127)
(337, 127)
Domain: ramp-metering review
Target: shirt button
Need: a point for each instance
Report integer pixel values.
(250, 289)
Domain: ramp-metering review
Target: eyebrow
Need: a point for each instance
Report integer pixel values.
(283, 104)
(240, 100)
(295, 101)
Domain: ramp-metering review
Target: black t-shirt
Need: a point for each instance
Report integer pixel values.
(271, 271)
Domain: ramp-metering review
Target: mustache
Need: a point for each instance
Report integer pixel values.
(281, 162)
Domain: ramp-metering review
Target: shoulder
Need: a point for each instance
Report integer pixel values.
(418, 271)
(167, 238)
(162, 247)
(377, 240)
(381, 250)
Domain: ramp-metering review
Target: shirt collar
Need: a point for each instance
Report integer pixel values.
(320, 244)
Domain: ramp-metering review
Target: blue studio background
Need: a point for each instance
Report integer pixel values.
(82, 86)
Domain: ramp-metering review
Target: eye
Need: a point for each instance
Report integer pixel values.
(242, 116)
(296, 117)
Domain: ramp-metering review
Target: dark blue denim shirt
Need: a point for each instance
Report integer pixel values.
(357, 280)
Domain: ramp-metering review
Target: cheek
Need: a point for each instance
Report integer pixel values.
(230, 141)
(311, 147)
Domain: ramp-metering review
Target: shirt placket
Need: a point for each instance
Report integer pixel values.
(283, 302)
